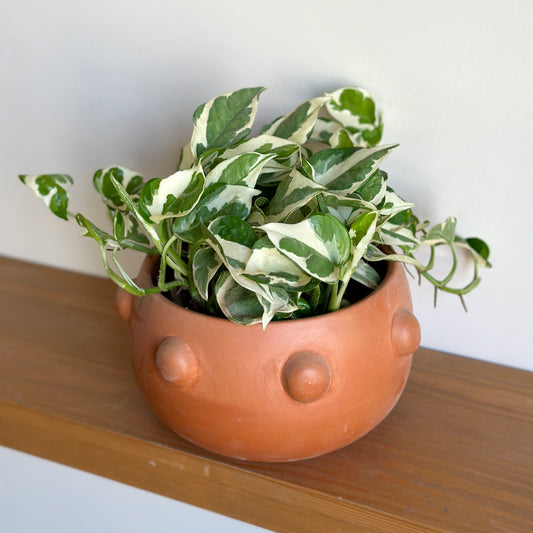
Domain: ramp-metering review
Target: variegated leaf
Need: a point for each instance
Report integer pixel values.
(343, 170)
(330, 132)
(257, 216)
(103, 183)
(224, 120)
(361, 235)
(232, 238)
(342, 213)
(355, 109)
(318, 244)
(106, 241)
(393, 204)
(292, 193)
(127, 233)
(443, 233)
(342, 138)
(205, 264)
(478, 249)
(276, 300)
(285, 152)
(187, 159)
(373, 253)
(218, 199)
(238, 304)
(374, 189)
(298, 125)
(346, 208)
(274, 178)
(242, 169)
(138, 242)
(245, 306)
(365, 198)
(267, 265)
(323, 130)
(52, 190)
(170, 197)
(394, 235)
(366, 275)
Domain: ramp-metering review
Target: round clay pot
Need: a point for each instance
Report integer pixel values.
(298, 389)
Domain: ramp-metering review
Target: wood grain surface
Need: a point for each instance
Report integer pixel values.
(456, 454)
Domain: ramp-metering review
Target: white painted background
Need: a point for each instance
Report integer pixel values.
(86, 85)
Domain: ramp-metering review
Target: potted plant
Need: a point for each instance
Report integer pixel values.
(271, 319)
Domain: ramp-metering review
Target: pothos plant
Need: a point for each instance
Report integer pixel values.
(271, 226)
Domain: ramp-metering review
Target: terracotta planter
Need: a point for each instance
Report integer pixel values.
(299, 389)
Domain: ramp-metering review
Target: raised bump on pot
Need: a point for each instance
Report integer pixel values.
(176, 362)
(405, 332)
(306, 377)
(123, 301)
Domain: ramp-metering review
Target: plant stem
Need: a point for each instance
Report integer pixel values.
(172, 257)
(337, 295)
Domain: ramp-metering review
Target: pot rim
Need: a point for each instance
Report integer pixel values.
(145, 280)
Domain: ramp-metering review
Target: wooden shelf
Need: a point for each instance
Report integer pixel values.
(456, 454)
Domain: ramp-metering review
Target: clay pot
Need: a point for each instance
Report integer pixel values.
(298, 389)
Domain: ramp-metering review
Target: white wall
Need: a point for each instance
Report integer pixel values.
(86, 85)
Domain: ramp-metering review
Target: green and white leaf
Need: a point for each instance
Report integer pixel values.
(130, 181)
(267, 265)
(355, 109)
(330, 132)
(224, 120)
(478, 249)
(393, 204)
(106, 241)
(342, 138)
(352, 107)
(171, 197)
(323, 130)
(373, 253)
(128, 234)
(393, 235)
(139, 243)
(233, 240)
(292, 193)
(187, 159)
(257, 216)
(342, 213)
(285, 152)
(346, 208)
(343, 170)
(241, 169)
(52, 190)
(238, 304)
(366, 275)
(247, 307)
(298, 125)
(361, 235)
(218, 199)
(276, 300)
(205, 264)
(318, 244)
(443, 233)
(374, 189)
